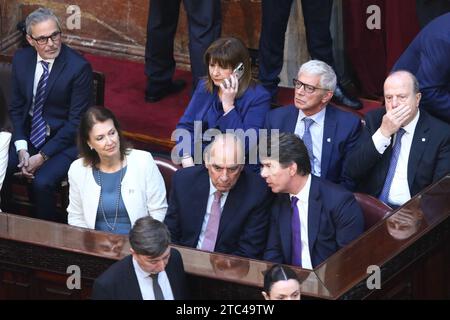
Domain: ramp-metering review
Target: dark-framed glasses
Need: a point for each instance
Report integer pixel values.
(307, 87)
(55, 36)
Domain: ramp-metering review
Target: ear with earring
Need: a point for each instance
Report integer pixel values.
(90, 147)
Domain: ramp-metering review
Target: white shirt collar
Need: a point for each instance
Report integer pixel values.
(318, 117)
(139, 271)
(410, 127)
(39, 59)
(303, 194)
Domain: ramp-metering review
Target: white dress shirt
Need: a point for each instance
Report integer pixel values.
(316, 130)
(22, 144)
(399, 192)
(146, 283)
(212, 189)
(302, 205)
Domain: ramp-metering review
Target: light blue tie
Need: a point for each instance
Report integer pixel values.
(38, 127)
(307, 140)
(394, 159)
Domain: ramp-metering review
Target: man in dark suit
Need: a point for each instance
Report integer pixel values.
(51, 88)
(311, 218)
(401, 150)
(333, 132)
(220, 206)
(153, 271)
(274, 20)
(205, 22)
(427, 57)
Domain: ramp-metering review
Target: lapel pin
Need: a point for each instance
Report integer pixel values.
(423, 139)
(328, 139)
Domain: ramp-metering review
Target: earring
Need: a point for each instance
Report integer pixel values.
(91, 147)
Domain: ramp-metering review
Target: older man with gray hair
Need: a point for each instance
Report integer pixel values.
(220, 206)
(51, 89)
(329, 133)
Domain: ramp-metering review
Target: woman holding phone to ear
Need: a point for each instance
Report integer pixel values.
(228, 97)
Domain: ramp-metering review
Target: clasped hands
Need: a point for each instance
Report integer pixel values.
(28, 165)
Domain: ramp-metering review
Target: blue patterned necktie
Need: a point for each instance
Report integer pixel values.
(393, 164)
(296, 239)
(38, 127)
(307, 140)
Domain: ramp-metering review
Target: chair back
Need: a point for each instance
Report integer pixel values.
(373, 209)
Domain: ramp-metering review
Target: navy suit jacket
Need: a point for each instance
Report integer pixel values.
(69, 94)
(429, 157)
(340, 134)
(119, 282)
(334, 220)
(427, 57)
(244, 220)
(248, 113)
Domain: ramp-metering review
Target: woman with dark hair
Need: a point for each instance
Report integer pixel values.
(112, 185)
(5, 138)
(281, 283)
(228, 98)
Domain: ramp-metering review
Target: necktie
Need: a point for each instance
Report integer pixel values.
(156, 287)
(209, 242)
(307, 140)
(296, 240)
(38, 127)
(393, 164)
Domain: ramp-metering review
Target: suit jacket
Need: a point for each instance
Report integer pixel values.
(143, 191)
(248, 113)
(334, 220)
(69, 94)
(429, 157)
(119, 282)
(427, 58)
(244, 220)
(340, 134)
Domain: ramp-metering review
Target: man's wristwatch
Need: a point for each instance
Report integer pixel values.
(44, 156)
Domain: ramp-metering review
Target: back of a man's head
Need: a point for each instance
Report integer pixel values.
(149, 237)
(287, 148)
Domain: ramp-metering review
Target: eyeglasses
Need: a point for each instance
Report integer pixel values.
(307, 87)
(55, 36)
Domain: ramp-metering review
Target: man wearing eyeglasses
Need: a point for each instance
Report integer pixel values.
(52, 88)
(328, 132)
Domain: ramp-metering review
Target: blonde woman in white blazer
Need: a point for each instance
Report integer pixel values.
(136, 187)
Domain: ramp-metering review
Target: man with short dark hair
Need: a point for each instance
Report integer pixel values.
(220, 206)
(311, 218)
(153, 271)
(51, 89)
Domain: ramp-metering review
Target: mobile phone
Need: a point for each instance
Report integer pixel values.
(239, 70)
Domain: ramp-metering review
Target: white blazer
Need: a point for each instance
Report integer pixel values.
(5, 138)
(143, 191)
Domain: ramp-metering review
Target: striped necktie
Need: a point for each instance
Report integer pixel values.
(307, 140)
(38, 127)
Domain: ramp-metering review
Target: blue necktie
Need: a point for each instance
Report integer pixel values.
(394, 159)
(38, 127)
(307, 140)
(296, 240)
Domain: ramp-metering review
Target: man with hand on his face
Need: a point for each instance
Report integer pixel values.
(220, 206)
(402, 149)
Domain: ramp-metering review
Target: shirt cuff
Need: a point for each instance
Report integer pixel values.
(381, 142)
(20, 145)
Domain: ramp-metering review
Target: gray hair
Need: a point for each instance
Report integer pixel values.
(415, 82)
(38, 16)
(320, 68)
(149, 237)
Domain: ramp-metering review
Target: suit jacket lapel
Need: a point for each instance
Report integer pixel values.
(200, 201)
(420, 140)
(58, 66)
(314, 212)
(284, 224)
(131, 283)
(329, 136)
(173, 277)
(30, 77)
(291, 120)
